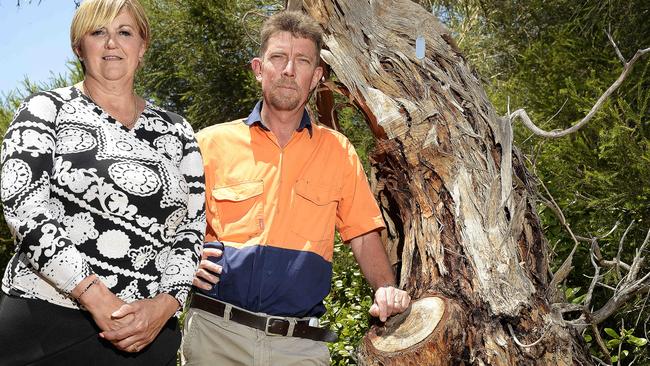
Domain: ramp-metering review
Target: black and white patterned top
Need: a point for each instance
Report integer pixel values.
(83, 194)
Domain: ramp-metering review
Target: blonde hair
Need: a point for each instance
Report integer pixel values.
(95, 14)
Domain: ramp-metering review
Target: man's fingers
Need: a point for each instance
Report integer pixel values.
(210, 266)
(204, 285)
(207, 276)
(211, 252)
(380, 304)
(406, 301)
(374, 310)
(389, 301)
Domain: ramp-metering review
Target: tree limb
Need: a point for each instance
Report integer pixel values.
(627, 67)
(594, 281)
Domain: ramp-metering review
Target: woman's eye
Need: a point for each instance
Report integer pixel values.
(125, 33)
(97, 32)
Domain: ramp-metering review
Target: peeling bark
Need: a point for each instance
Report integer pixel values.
(454, 192)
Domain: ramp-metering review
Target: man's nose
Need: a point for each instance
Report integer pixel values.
(289, 69)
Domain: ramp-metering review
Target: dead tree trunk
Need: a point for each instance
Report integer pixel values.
(454, 192)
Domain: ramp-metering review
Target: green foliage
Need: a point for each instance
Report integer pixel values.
(541, 55)
(553, 59)
(622, 344)
(347, 305)
(198, 62)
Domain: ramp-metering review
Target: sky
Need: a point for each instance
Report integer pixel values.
(34, 40)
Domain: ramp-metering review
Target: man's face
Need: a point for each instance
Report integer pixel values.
(288, 71)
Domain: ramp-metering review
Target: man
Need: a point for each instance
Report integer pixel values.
(277, 186)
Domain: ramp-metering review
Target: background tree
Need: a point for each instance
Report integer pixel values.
(554, 60)
(539, 55)
(423, 147)
(198, 63)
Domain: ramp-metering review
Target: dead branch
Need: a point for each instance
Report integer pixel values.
(629, 286)
(620, 250)
(599, 340)
(627, 67)
(594, 281)
(618, 52)
(522, 345)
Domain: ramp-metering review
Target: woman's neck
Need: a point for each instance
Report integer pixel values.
(117, 98)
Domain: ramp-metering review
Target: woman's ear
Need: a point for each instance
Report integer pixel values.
(78, 53)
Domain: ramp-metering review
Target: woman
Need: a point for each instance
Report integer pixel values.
(104, 193)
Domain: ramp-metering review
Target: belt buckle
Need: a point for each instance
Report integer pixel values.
(270, 319)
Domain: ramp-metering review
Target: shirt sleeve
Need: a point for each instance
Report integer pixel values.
(358, 212)
(186, 252)
(27, 161)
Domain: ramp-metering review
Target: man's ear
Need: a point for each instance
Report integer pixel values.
(256, 65)
(315, 79)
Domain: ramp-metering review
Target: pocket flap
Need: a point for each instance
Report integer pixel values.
(317, 193)
(238, 192)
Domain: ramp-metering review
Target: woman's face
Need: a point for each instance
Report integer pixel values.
(113, 53)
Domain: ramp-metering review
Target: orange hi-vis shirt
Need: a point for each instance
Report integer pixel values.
(275, 210)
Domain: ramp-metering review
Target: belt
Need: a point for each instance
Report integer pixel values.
(271, 325)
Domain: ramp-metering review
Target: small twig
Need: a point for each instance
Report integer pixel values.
(254, 39)
(620, 344)
(636, 324)
(600, 362)
(565, 268)
(599, 340)
(618, 52)
(512, 333)
(638, 260)
(592, 286)
(615, 263)
(620, 249)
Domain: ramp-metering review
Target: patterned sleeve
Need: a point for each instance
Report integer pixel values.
(27, 161)
(186, 251)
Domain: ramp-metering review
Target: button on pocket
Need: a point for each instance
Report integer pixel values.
(240, 209)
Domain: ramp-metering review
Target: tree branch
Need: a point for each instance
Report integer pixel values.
(618, 52)
(627, 67)
(627, 288)
(594, 281)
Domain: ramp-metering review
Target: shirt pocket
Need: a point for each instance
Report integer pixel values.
(314, 210)
(240, 210)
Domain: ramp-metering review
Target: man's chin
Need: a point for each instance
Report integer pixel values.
(284, 104)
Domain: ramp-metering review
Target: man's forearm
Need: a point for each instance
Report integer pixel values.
(372, 258)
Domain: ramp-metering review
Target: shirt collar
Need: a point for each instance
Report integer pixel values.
(256, 118)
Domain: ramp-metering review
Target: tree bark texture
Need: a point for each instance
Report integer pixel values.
(454, 192)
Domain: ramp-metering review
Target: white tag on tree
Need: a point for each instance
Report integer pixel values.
(419, 47)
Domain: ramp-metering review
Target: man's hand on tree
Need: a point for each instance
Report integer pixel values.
(389, 301)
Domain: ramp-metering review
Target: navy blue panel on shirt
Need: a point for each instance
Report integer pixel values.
(273, 280)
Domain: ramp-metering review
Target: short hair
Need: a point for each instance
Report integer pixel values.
(94, 14)
(298, 24)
